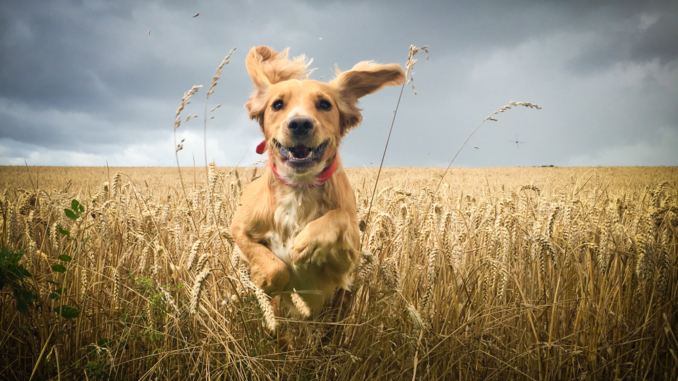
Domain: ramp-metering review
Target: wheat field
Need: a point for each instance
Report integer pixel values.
(498, 274)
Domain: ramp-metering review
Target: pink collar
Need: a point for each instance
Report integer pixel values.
(321, 179)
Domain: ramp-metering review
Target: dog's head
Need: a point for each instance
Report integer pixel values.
(303, 121)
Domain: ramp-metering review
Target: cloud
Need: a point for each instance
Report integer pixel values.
(658, 41)
(641, 34)
(82, 83)
(659, 150)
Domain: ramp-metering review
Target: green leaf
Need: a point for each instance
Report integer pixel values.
(25, 272)
(68, 312)
(5, 255)
(18, 273)
(59, 268)
(104, 343)
(59, 291)
(63, 231)
(55, 282)
(84, 241)
(23, 299)
(9, 257)
(77, 207)
(21, 306)
(65, 258)
(29, 296)
(54, 296)
(15, 273)
(70, 214)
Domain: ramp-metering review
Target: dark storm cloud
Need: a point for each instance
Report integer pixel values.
(638, 32)
(659, 41)
(83, 82)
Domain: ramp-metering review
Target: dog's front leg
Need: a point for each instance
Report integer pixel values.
(334, 230)
(266, 271)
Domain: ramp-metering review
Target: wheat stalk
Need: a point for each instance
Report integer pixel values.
(117, 278)
(414, 50)
(432, 276)
(169, 299)
(197, 288)
(391, 274)
(193, 253)
(489, 117)
(365, 269)
(300, 304)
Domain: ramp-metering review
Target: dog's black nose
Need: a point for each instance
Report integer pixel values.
(300, 125)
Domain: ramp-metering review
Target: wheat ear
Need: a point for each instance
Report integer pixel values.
(266, 308)
(300, 304)
(197, 288)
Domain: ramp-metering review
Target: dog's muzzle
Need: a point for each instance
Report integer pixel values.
(301, 156)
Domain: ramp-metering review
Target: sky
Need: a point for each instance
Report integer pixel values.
(90, 83)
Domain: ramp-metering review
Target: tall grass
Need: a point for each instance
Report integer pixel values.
(571, 282)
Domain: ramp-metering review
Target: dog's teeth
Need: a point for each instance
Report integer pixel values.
(310, 153)
(284, 151)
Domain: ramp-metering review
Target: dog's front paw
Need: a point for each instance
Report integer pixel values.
(271, 275)
(312, 244)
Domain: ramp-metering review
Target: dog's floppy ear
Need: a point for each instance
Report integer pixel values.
(267, 67)
(365, 78)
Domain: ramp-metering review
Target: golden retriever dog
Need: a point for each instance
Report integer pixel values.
(297, 225)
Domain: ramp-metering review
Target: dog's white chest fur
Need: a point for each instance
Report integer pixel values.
(296, 208)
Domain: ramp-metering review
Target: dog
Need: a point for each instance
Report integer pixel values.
(296, 225)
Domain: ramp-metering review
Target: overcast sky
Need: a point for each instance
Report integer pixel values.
(83, 82)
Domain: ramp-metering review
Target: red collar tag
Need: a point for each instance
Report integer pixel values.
(320, 180)
(261, 147)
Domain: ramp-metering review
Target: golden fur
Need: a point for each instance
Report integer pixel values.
(303, 239)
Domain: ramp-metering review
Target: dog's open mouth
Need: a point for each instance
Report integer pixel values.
(301, 156)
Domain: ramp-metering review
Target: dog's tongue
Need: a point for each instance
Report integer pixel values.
(300, 152)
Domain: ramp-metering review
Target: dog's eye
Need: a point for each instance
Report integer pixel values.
(278, 105)
(324, 105)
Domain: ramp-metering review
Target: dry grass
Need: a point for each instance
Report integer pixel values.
(514, 273)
